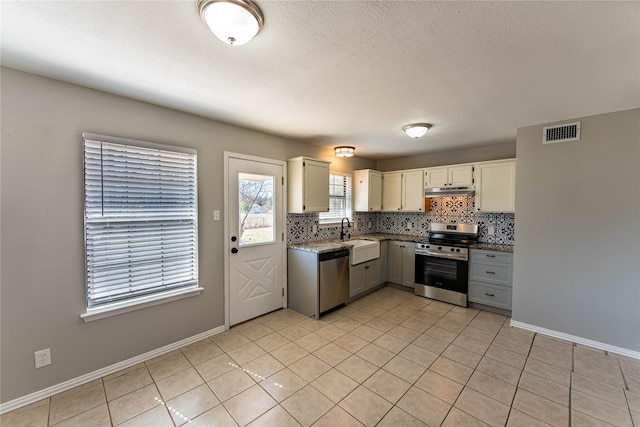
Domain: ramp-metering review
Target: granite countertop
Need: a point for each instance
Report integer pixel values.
(493, 247)
(331, 245)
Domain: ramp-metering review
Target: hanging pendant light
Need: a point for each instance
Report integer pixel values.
(416, 130)
(344, 151)
(235, 22)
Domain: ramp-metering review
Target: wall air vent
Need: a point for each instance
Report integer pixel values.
(561, 133)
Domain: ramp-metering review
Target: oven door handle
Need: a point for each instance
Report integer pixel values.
(441, 255)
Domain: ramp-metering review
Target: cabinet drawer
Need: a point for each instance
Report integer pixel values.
(499, 274)
(495, 296)
(493, 256)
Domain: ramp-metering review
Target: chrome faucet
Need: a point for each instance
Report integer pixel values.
(342, 233)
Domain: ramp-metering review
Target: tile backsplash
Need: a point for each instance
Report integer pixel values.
(303, 228)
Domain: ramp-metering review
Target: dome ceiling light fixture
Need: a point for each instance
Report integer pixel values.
(235, 22)
(416, 130)
(344, 151)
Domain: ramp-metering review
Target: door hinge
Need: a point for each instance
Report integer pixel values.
(304, 207)
(473, 180)
(473, 168)
(304, 164)
(282, 291)
(283, 237)
(283, 180)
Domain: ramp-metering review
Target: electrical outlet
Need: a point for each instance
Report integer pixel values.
(43, 358)
(216, 215)
(491, 230)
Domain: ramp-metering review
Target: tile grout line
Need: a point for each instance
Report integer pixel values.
(533, 338)
(387, 308)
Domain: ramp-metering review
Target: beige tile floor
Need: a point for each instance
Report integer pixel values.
(388, 359)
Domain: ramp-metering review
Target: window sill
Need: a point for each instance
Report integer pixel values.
(138, 304)
(333, 224)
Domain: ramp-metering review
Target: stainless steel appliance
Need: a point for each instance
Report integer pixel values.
(317, 282)
(449, 191)
(442, 262)
(334, 278)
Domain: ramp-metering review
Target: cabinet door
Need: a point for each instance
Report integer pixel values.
(375, 191)
(412, 190)
(372, 274)
(357, 283)
(496, 186)
(408, 265)
(460, 176)
(361, 184)
(394, 262)
(437, 177)
(392, 191)
(316, 186)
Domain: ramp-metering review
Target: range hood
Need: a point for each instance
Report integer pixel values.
(449, 191)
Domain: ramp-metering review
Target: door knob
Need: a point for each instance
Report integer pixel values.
(234, 250)
(234, 238)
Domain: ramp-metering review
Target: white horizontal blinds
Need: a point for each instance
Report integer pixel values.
(141, 232)
(339, 199)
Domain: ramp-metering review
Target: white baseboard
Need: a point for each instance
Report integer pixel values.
(83, 379)
(578, 340)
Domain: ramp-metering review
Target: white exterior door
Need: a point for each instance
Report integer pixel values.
(255, 240)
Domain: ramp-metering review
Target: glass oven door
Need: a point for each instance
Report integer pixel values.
(443, 273)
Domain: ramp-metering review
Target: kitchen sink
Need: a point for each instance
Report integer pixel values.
(363, 250)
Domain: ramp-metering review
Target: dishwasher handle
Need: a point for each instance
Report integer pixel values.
(340, 253)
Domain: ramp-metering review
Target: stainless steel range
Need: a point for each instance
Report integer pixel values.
(442, 262)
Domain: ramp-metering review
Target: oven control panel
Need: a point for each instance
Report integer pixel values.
(442, 251)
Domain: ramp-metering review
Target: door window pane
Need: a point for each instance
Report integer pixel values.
(256, 199)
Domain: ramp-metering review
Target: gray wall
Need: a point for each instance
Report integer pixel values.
(43, 290)
(577, 258)
(467, 155)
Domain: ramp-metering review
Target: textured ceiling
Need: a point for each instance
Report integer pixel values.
(347, 72)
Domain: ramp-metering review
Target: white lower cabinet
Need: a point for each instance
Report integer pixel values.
(401, 262)
(490, 278)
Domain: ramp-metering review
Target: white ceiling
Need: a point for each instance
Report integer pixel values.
(347, 72)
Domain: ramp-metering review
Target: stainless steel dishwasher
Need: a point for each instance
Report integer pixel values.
(334, 278)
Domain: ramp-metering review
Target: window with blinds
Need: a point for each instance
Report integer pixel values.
(141, 222)
(339, 199)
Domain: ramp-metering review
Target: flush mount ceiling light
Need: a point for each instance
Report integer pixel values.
(416, 130)
(234, 22)
(344, 151)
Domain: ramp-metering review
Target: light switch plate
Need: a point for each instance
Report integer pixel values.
(216, 215)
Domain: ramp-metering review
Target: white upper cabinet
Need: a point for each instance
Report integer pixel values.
(308, 185)
(436, 177)
(367, 190)
(496, 186)
(455, 175)
(413, 190)
(403, 190)
(392, 191)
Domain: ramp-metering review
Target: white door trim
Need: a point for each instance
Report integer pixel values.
(227, 247)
